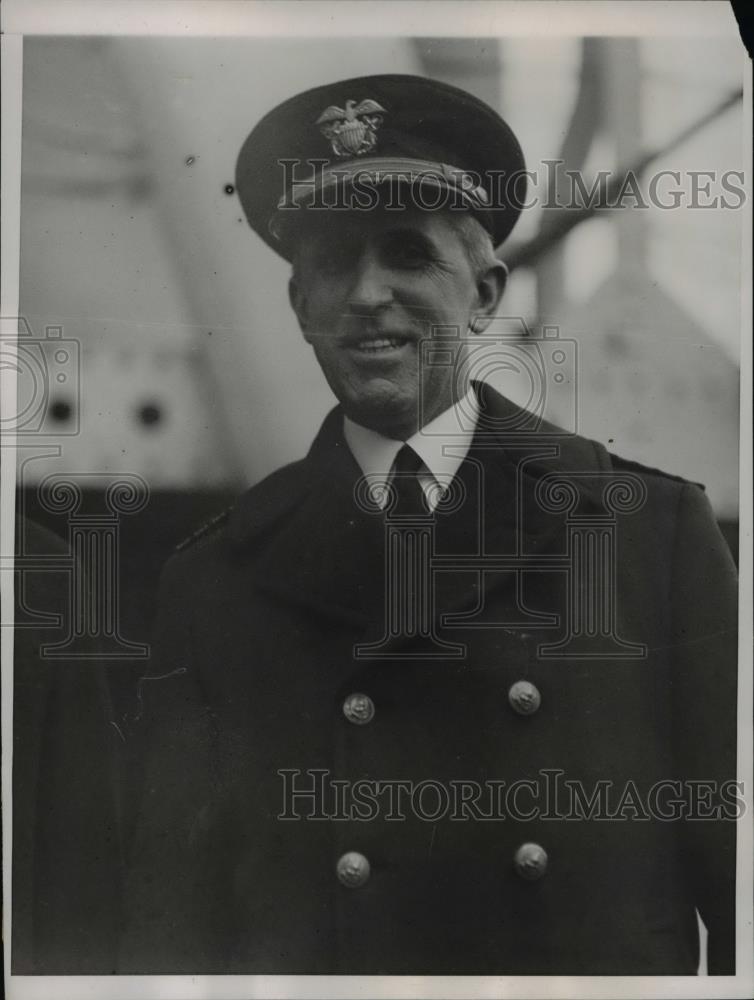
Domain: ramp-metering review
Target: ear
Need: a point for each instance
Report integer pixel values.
(490, 288)
(298, 303)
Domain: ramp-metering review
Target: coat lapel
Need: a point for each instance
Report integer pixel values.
(315, 546)
(503, 516)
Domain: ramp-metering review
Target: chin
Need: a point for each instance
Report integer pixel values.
(382, 408)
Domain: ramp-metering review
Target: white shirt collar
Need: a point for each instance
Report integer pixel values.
(442, 444)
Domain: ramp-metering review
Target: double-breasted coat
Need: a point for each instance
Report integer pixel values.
(272, 620)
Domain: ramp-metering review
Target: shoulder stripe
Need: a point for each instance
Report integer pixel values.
(626, 463)
(204, 530)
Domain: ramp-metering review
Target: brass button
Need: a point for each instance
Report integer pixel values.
(524, 698)
(530, 861)
(353, 869)
(358, 708)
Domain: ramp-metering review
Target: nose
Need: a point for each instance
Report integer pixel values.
(371, 288)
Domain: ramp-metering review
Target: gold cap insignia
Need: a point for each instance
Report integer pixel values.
(353, 131)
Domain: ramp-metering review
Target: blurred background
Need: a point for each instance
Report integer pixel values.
(181, 360)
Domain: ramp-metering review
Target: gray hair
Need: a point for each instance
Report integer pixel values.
(476, 241)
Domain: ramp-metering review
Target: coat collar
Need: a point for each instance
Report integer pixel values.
(312, 545)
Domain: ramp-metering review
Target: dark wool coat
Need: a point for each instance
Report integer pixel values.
(67, 856)
(260, 618)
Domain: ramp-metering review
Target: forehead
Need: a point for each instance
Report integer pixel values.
(333, 227)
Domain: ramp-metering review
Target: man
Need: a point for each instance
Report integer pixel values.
(375, 674)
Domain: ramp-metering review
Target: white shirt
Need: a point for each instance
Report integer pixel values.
(442, 445)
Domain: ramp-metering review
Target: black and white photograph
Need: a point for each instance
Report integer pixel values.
(376, 500)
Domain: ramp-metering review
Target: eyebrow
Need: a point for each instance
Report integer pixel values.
(323, 241)
(409, 233)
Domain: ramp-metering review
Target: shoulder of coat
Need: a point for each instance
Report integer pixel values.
(205, 531)
(647, 470)
(270, 501)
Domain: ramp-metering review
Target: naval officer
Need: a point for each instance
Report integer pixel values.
(450, 694)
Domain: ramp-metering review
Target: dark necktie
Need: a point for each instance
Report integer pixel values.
(411, 501)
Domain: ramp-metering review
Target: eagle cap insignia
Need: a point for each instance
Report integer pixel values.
(351, 131)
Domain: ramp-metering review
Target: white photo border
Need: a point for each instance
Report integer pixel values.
(304, 18)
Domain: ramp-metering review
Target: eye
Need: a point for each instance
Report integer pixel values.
(333, 259)
(407, 251)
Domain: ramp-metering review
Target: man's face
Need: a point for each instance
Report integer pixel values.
(368, 288)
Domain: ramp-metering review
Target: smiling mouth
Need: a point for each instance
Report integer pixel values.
(379, 345)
